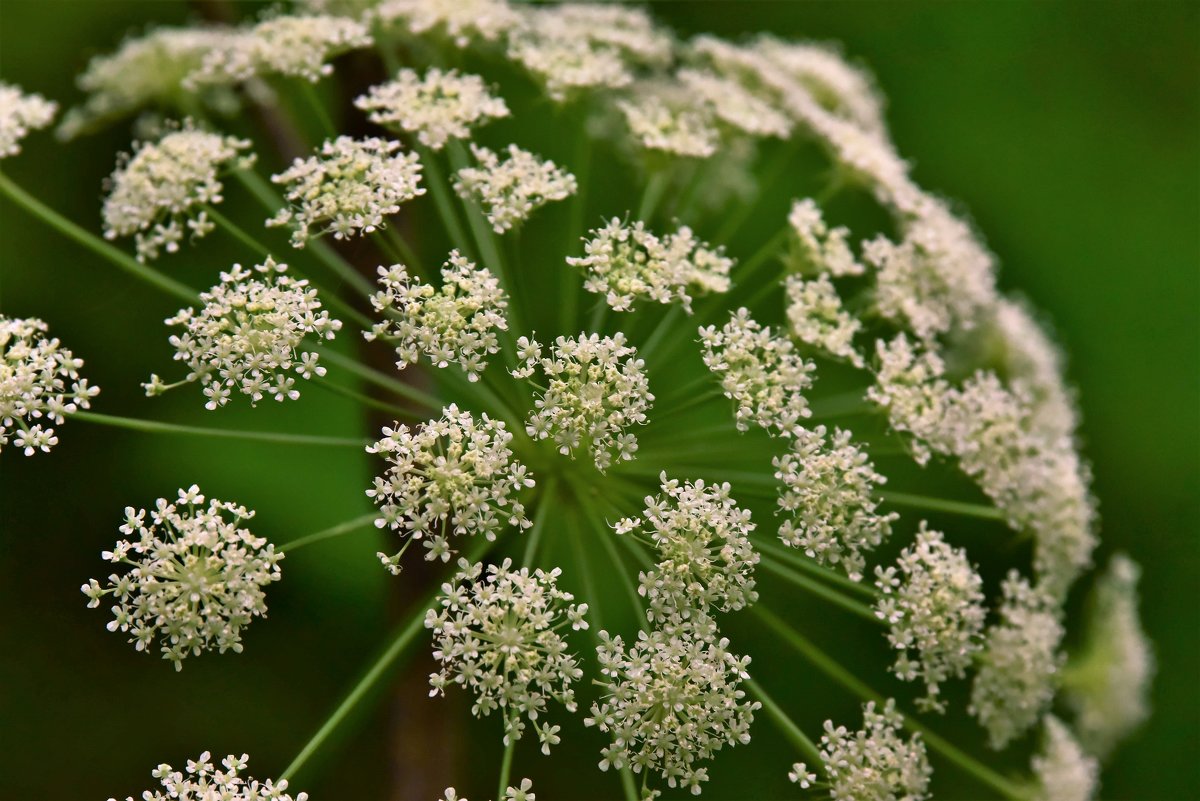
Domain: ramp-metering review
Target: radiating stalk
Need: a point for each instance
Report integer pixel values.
(348, 527)
(506, 766)
(820, 590)
(942, 505)
(381, 379)
(545, 501)
(786, 725)
(155, 427)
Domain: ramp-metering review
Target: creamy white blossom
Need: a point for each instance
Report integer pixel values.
(162, 192)
(523, 792)
(843, 88)
(596, 389)
(21, 113)
(436, 108)
(201, 779)
(933, 604)
(294, 45)
(510, 190)
(821, 249)
(1019, 666)
(1062, 770)
(454, 476)
(1107, 684)
(347, 188)
(668, 119)
(760, 372)
(874, 763)
(454, 323)
(461, 21)
(247, 336)
(828, 490)
(496, 634)
(817, 318)
(734, 105)
(626, 263)
(39, 380)
(671, 700)
(705, 559)
(196, 576)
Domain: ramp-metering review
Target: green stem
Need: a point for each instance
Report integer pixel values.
(545, 502)
(656, 336)
(819, 590)
(786, 725)
(655, 187)
(839, 674)
(942, 505)
(309, 91)
(381, 379)
(94, 243)
(443, 200)
(506, 767)
(366, 400)
(240, 235)
(156, 427)
(256, 185)
(783, 554)
(329, 533)
(605, 535)
(571, 285)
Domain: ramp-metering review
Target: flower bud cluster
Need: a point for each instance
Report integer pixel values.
(298, 46)
(436, 108)
(203, 779)
(817, 318)
(460, 21)
(21, 113)
(511, 190)
(821, 249)
(1062, 770)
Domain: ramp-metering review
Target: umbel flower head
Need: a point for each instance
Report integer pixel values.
(818, 319)
(436, 108)
(627, 263)
(163, 190)
(1062, 770)
(821, 250)
(705, 557)
(498, 637)
(195, 576)
(671, 700)
(201, 779)
(34, 375)
(459, 21)
(21, 113)
(454, 476)
(347, 188)
(665, 118)
(511, 190)
(248, 334)
(524, 792)
(595, 390)
(457, 322)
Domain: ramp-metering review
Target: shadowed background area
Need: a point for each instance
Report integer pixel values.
(1070, 132)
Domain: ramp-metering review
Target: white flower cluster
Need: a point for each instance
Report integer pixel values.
(165, 188)
(349, 187)
(1108, 683)
(522, 793)
(1032, 361)
(670, 700)
(760, 373)
(821, 249)
(144, 70)
(461, 21)
(873, 764)
(665, 118)
(195, 578)
(204, 780)
(436, 108)
(454, 476)
(733, 104)
(511, 190)
(829, 492)
(627, 262)
(818, 319)
(497, 636)
(1062, 770)
(247, 335)
(21, 113)
(1019, 666)
(705, 557)
(596, 388)
(933, 604)
(295, 45)
(457, 323)
(34, 371)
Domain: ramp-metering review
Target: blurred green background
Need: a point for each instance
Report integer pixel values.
(1070, 131)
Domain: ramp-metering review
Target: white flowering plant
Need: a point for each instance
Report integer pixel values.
(572, 339)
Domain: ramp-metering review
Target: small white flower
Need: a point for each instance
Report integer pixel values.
(817, 318)
(670, 700)
(348, 188)
(203, 779)
(821, 249)
(455, 476)
(801, 775)
(705, 557)
(1019, 666)
(248, 334)
(829, 492)
(512, 189)
(875, 763)
(436, 108)
(461, 21)
(160, 193)
(39, 380)
(455, 323)
(1062, 770)
(21, 113)
(195, 580)
(933, 604)
(628, 262)
(847, 90)
(496, 635)
(668, 118)
(293, 45)
(759, 372)
(596, 389)
(734, 105)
